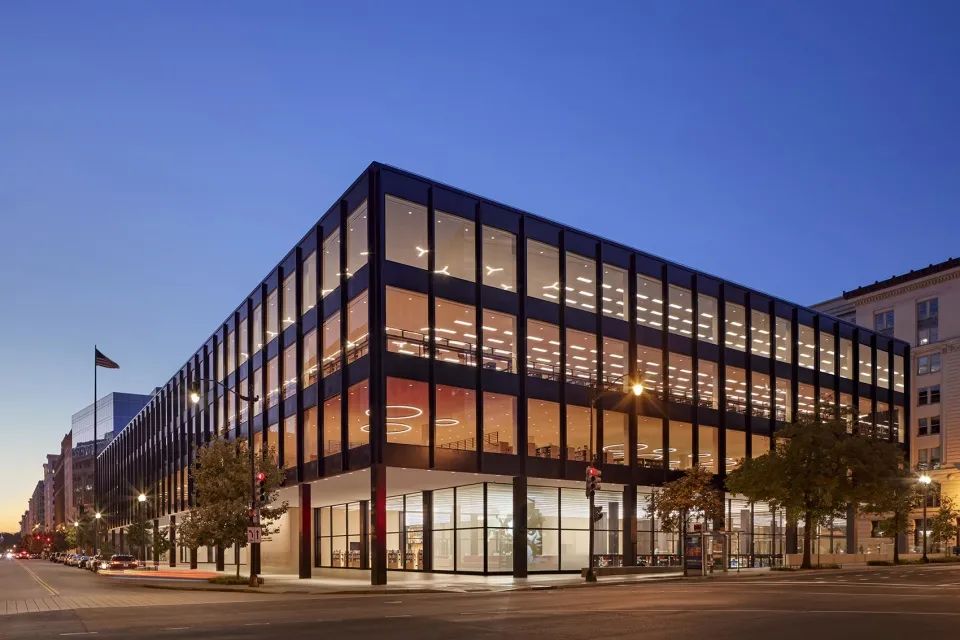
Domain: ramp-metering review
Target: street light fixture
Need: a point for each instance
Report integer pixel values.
(141, 500)
(597, 392)
(925, 480)
(193, 392)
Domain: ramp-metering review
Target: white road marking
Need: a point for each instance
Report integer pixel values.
(404, 615)
(256, 624)
(393, 602)
(176, 628)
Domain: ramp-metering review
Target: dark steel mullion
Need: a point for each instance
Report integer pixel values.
(772, 367)
(855, 374)
(521, 278)
(665, 367)
(478, 322)
(264, 380)
(720, 383)
(342, 311)
(836, 370)
(695, 378)
(562, 266)
(816, 367)
(748, 418)
(298, 360)
(890, 390)
(376, 317)
(633, 370)
(874, 391)
(432, 324)
(795, 362)
(598, 346)
(318, 310)
(281, 371)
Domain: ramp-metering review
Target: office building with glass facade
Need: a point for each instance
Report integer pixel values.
(425, 362)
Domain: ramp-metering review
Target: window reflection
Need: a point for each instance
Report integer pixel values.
(681, 445)
(330, 279)
(310, 434)
(331, 426)
(707, 322)
(230, 362)
(615, 293)
(289, 371)
(543, 430)
(408, 412)
(543, 271)
(805, 347)
(311, 367)
(649, 302)
(615, 437)
(681, 378)
(543, 350)
(456, 335)
(707, 383)
(406, 232)
(578, 433)
(736, 449)
(614, 361)
(581, 283)
(736, 327)
(308, 283)
(454, 241)
(760, 333)
(257, 328)
(357, 248)
(680, 315)
(846, 358)
(883, 369)
(330, 357)
(499, 259)
(407, 320)
(784, 340)
(784, 410)
(866, 364)
(898, 373)
(289, 442)
(649, 442)
(242, 343)
(499, 423)
(456, 420)
(805, 400)
(736, 388)
(650, 369)
(709, 443)
(358, 417)
(358, 316)
(258, 391)
(826, 352)
(273, 329)
(499, 341)
(761, 394)
(581, 357)
(289, 311)
(273, 382)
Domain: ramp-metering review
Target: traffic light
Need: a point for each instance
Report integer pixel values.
(262, 496)
(592, 480)
(597, 513)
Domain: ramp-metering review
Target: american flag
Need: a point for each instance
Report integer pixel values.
(104, 361)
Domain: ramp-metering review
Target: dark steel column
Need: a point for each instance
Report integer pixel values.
(520, 527)
(378, 503)
(306, 531)
(172, 531)
(629, 525)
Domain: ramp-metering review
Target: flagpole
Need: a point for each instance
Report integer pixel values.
(96, 497)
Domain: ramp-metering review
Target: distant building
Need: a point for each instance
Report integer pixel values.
(921, 307)
(114, 411)
(49, 492)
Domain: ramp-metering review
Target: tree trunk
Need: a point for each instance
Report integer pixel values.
(238, 568)
(896, 540)
(807, 535)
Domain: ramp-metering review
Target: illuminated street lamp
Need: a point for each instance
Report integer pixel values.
(193, 392)
(593, 464)
(141, 499)
(925, 480)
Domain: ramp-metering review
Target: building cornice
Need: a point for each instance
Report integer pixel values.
(893, 292)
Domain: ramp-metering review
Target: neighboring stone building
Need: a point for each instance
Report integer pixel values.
(923, 308)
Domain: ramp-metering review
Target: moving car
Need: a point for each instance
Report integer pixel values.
(121, 561)
(94, 563)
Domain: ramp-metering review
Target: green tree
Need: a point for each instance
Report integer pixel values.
(139, 534)
(815, 470)
(221, 475)
(943, 524)
(692, 496)
(160, 542)
(70, 536)
(900, 497)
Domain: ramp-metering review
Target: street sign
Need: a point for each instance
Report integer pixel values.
(254, 535)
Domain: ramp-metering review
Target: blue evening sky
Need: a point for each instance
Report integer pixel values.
(157, 159)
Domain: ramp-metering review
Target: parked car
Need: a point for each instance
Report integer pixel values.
(121, 561)
(71, 560)
(23, 555)
(93, 564)
(82, 561)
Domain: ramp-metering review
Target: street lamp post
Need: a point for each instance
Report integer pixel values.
(593, 462)
(96, 533)
(195, 398)
(925, 480)
(141, 499)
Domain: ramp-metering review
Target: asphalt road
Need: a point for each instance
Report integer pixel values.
(870, 603)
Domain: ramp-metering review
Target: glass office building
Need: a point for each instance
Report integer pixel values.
(424, 361)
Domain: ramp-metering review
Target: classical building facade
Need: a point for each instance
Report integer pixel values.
(921, 307)
(425, 363)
